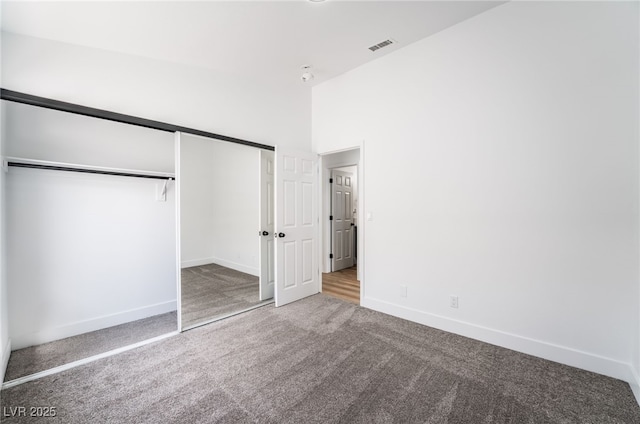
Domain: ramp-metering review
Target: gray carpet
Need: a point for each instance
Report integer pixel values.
(49, 355)
(210, 291)
(323, 360)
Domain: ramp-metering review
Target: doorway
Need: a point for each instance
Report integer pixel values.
(341, 190)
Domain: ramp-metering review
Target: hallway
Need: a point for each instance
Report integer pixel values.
(342, 284)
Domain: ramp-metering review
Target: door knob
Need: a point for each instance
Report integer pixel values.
(281, 235)
(265, 233)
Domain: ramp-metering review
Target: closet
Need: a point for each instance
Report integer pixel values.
(104, 212)
(90, 234)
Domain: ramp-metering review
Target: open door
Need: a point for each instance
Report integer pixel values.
(341, 220)
(267, 225)
(296, 181)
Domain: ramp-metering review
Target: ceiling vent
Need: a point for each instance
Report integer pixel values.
(378, 46)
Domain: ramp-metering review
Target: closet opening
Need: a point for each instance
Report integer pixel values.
(92, 213)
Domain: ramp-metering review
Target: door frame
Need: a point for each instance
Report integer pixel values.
(266, 205)
(325, 210)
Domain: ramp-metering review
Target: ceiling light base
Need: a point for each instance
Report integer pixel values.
(306, 73)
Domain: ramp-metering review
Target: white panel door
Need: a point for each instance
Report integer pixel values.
(267, 225)
(342, 222)
(297, 272)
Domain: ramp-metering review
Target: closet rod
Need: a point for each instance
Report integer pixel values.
(29, 99)
(87, 171)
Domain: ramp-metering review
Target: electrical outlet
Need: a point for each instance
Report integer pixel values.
(453, 301)
(403, 291)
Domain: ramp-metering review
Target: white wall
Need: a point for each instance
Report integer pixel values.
(219, 204)
(84, 251)
(44, 134)
(163, 91)
(196, 200)
(501, 160)
(635, 385)
(338, 159)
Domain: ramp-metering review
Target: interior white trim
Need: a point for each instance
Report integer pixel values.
(634, 383)
(562, 354)
(80, 327)
(177, 140)
(197, 262)
(228, 264)
(84, 361)
(5, 359)
(361, 221)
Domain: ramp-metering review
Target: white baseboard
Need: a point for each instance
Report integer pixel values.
(222, 262)
(196, 262)
(635, 384)
(73, 329)
(6, 353)
(562, 354)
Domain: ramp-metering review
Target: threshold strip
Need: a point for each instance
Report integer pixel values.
(200, 324)
(74, 364)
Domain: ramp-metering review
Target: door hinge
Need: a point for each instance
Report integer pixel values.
(330, 180)
(330, 217)
(330, 255)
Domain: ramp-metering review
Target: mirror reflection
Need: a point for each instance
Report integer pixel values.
(221, 237)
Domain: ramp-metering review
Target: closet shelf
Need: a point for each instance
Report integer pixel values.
(87, 169)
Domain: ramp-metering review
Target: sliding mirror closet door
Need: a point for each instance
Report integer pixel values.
(90, 257)
(220, 241)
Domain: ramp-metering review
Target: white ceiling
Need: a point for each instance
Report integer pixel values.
(268, 40)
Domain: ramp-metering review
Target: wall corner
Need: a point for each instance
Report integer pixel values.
(6, 353)
(634, 383)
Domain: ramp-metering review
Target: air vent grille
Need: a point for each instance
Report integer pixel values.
(378, 46)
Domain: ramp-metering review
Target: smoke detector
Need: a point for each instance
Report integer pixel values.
(306, 73)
